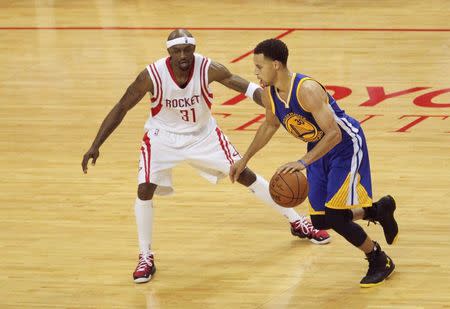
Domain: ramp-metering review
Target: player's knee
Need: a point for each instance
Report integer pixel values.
(146, 191)
(341, 222)
(338, 219)
(247, 177)
(319, 222)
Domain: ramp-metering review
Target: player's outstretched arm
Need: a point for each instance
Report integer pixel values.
(134, 93)
(262, 137)
(219, 73)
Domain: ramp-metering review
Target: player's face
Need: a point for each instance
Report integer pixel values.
(264, 69)
(182, 56)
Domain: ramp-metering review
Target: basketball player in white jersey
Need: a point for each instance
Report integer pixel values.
(181, 128)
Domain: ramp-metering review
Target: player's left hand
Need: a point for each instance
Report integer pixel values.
(290, 167)
(93, 154)
(236, 169)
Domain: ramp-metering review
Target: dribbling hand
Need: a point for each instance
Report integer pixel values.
(93, 154)
(290, 167)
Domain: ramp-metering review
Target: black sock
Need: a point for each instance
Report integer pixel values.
(376, 249)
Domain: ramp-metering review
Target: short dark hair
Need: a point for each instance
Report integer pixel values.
(273, 49)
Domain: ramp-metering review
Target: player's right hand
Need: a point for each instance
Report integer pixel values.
(93, 154)
(236, 169)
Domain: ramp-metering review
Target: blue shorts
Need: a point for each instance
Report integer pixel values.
(341, 178)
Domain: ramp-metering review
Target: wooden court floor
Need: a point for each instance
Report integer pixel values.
(68, 240)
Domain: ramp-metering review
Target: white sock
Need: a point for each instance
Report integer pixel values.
(143, 211)
(261, 189)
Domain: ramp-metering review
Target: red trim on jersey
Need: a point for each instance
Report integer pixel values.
(147, 159)
(154, 97)
(144, 161)
(157, 75)
(205, 97)
(204, 75)
(158, 78)
(206, 100)
(172, 74)
(227, 155)
(156, 87)
(155, 110)
(227, 145)
(143, 156)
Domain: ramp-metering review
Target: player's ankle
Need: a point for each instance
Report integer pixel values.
(370, 213)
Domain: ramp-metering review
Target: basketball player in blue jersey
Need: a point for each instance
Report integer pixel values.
(336, 161)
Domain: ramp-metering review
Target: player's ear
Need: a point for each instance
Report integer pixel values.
(276, 64)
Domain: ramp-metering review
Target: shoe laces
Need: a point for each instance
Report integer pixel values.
(305, 225)
(374, 263)
(144, 261)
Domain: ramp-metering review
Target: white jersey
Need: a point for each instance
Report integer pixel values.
(181, 110)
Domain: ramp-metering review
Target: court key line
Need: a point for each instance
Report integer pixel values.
(236, 28)
(287, 31)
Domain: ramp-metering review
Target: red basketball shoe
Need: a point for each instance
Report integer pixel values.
(303, 228)
(145, 268)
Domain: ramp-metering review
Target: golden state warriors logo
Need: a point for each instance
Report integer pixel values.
(301, 128)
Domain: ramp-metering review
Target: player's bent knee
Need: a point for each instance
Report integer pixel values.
(247, 177)
(341, 222)
(146, 191)
(337, 219)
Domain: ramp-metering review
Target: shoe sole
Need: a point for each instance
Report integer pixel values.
(371, 285)
(320, 242)
(317, 242)
(393, 210)
(142, 280)
(395, 239)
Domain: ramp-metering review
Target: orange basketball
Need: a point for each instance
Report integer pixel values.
(289, 189)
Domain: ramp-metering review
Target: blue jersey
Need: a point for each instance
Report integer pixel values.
(341, 178)
(300, 122)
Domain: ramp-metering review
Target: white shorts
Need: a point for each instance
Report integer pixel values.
(211, 154)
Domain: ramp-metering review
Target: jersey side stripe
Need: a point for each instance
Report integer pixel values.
(155, 84)
(202, 78)
(205, 74)
(222, 145)
(155, 110)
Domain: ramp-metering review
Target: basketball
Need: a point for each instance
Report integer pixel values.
(289, 189)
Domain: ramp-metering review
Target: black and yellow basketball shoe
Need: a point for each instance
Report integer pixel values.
(381, 266)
